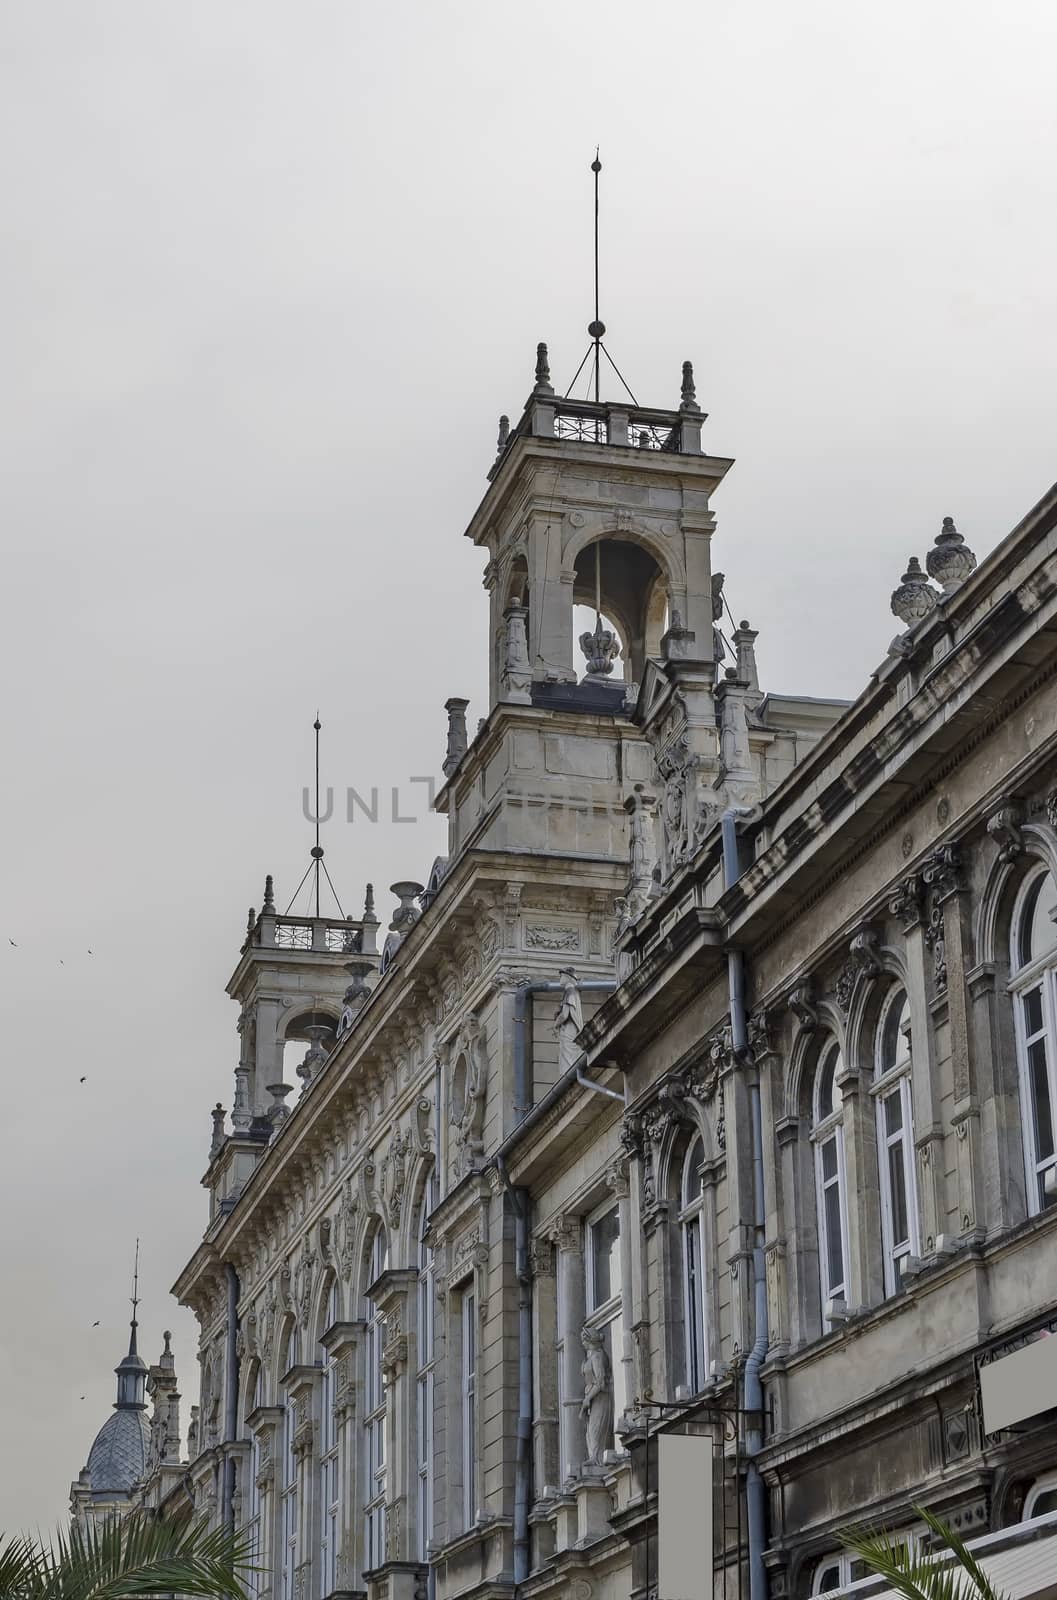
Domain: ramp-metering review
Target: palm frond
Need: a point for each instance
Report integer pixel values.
(18, 1559)
(932, 1577)
(136, 1556)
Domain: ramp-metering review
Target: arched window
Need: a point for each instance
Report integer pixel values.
(427, 1297)
(693, 1253)
(288, 1517)
(330, 1497)
(895, 1137)
(1033, 963)
(827, 1135)
(836, 1570)
(374, 1416)
(1041, 1497)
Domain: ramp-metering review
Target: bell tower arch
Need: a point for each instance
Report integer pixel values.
(604, 506)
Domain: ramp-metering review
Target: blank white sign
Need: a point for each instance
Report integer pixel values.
(684, 1516)
(1020, 1385)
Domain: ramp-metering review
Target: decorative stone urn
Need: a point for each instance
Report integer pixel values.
(915, 597)
(950, 560)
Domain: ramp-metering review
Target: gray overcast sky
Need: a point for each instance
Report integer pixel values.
(269, 273)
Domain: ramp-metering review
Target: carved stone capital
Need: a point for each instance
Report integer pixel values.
(905, 901)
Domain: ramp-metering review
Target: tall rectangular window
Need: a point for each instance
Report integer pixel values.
(469, 1408)
(426, 1354)
(605, 1305)
(374, 1421)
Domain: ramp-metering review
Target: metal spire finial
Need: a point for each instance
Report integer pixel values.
(316, 863)
(135, 1301)
(597, 328)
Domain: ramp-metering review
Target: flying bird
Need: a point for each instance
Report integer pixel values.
(95, 1324)
(84, 1080)
(89, 952)
(11, 941)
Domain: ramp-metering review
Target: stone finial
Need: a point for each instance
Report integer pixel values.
(216, 1144)
(516, 675)
(369, 925)
(601, 648)
(251, 919)
(950, 560)
(915, 597)
(689, 393)
(268, 908)
(504, 434)
(315, 1056)
(407, 913)
(457, 741)
(745, 654)
(355, 995)
(543, 371)
(278, 1111)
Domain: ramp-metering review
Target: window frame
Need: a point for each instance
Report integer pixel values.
(695, 1289)
(607, 1316)
(289, 1529)
(426, 1355)
(468, 1354)
(329, 1459)
(1040, 973)
(375, 1464)
(825, 1129)
(1045, 1485)
(891, 1079)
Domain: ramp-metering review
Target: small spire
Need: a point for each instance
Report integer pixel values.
(268, 908)
(368, 903)
(504, 434)
(689, 393)
(251, 918)
(543, 371)
(135, 1302)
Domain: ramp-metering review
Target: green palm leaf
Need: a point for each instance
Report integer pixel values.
(931, 1577)
(128, 1558)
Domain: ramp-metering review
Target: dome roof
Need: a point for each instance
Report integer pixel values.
(119, 1454)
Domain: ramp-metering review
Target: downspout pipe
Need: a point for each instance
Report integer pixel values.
(755, 1495)
(523, 1458)
(522, 1001)
(231, 1398)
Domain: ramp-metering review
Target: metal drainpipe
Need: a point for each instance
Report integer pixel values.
(231, 1397)
(523, 1459)
(755, 1497)
(522, 1081)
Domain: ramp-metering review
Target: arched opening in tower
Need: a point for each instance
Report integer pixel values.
(620, 609)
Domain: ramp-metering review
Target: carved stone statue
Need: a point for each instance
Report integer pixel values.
(597, 1405)
(568, 1020)
(718, 649)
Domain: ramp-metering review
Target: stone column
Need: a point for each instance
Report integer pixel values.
(925, 1086)
(516, 676)
(303, 1385)
(617, 1182)
(269, 1054)
(342, 1341)
(266, 1424)
(547, 1470)
(566, 1234)
(952, 905)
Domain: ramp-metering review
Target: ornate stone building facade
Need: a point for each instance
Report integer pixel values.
(706, 1087)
